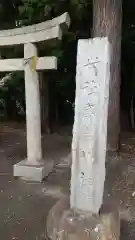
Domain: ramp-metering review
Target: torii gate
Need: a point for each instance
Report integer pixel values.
(33, 168)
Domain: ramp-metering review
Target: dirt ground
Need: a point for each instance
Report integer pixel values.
(120, 184)
(24, 206)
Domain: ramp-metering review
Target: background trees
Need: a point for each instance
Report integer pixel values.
(105, 17)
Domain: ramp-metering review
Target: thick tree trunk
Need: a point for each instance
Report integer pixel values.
(107, 18)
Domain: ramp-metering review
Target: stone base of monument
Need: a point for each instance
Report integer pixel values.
(35, 173)
(66, 224)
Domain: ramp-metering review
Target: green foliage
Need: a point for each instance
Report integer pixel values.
(25, 12)
(12, 96)
(34, 11)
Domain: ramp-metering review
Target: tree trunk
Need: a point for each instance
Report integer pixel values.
(44, 101)
(107, 18)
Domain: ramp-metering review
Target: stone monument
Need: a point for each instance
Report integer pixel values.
(90, 125)
(88, 217)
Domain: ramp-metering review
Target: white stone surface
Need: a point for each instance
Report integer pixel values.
(34, 173)
(90, 124)
(63, 21)
(35, 33)
(33, 37)
(32, 94)
(34, 168)
(43, 63)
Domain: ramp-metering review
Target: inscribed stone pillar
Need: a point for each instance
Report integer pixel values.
(90, 124)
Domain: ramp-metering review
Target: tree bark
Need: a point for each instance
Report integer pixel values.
(44, 101)
(107, 18)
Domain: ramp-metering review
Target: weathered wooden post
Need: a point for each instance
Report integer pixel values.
(84, 219)
(34, 167)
